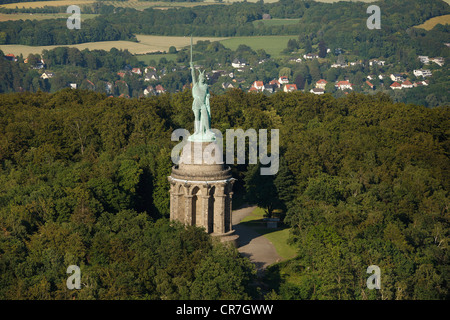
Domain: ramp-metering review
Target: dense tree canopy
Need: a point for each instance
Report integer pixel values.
(362, 181)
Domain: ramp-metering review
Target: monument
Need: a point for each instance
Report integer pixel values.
(201, 186)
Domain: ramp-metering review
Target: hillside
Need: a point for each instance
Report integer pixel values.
(362, 181)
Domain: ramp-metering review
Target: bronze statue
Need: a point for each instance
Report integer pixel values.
(200, 107)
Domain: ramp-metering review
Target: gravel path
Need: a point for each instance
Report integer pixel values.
(257, 248)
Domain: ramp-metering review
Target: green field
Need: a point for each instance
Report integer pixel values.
(279, 236)
(145, 45)
(273, 45)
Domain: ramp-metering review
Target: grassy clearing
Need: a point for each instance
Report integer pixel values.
(145, 45)
(431, 23)
(273, 45)
(278, 236)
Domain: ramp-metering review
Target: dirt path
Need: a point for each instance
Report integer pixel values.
(256, 247)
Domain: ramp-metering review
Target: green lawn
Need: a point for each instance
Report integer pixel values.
(273, 45)
(278, 236)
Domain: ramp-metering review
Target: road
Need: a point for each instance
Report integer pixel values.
(256, 247)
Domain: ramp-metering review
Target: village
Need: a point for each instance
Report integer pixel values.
(234, 76)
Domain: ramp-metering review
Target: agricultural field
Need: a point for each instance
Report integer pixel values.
(429, 24)
(41, 16)
(146, 44)
(41, 4)
(138, 5)
(273, 45)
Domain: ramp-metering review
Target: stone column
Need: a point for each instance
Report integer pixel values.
(219, 214)
(188, 209)
(205, 207)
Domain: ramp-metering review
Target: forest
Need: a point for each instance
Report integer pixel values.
(83, 181)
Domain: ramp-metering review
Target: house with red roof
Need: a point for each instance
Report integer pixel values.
(321, 84)
(343, 85)
(136, 71)
(258, 85)
(396, 86)
(371, 86)
(275, 82)
(290, 87)
(159, 89)
(283, 80)
(407, 84)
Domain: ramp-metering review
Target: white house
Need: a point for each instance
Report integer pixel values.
(310, 56)
(342, 85)
(136, 71)
(283, 80)
(439, 61)
(238, 63)
(375, 62)
(227, 85)
(407, 84)
(290, 87)
(321, 84)
(151, 76)
(47, 75)
(149, 90)
(317, 91)
(422, 73)
(397, 77)
(258, 85)
(339, 65)
(424, 59)
(396, 86)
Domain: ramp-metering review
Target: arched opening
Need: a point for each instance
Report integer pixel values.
(211, 201)
(196, 210)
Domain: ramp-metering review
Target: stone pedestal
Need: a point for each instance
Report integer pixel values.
(201, 190)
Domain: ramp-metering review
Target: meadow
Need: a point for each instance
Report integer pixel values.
(429, 24)
(273, 45)
(145, 45)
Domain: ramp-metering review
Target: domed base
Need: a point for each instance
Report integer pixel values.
(229, 237)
